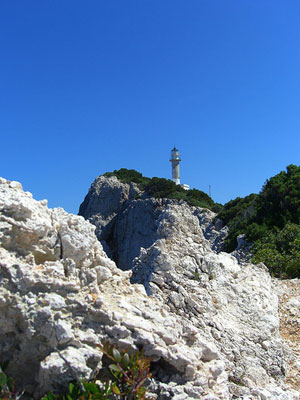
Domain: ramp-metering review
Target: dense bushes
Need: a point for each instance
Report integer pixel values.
(130, 175)
(270, 221)
(279, 249)
(279, 200)
(165, 188)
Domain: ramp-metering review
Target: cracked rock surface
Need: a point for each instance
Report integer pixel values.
(233, 305)
(210, 325)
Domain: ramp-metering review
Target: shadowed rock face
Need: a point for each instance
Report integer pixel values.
(123, 224)
(106, 198)
(210, 326)
(134, 227)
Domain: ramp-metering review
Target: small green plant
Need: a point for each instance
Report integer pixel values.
(126, 376)
(7, 389)
(83, 391)
(129, 372)
(196, 274)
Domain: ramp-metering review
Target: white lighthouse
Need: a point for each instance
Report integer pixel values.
(175, 160)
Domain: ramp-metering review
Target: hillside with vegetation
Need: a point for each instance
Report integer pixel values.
(270, 221)
(165, 188)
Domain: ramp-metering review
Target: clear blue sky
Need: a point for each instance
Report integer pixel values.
(92, 86)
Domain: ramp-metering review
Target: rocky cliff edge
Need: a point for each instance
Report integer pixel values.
(210, 326)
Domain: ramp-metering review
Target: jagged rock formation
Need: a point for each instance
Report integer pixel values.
(234, 306)
(60, 296)
(106, 198)
(125, 224)
(210, 326)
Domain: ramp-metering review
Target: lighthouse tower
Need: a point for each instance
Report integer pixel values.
(175, 160)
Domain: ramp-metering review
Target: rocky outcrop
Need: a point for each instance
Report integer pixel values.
(102, 205)
(49, 263)
(105, 199)
(233, 305)
(60, 296)
(209, 325)
(126, 219)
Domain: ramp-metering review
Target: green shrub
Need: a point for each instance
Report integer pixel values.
(279, 199)
(199, 199)
(7, 389)
(83, 391)
(129, 175)
(129, 372)
(238, 209)
(237, 214)
(125, 379)
(165, 188)
(270, 221)
(162, 188)
(279, 249)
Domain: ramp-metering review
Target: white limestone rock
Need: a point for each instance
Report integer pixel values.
(210, 326)
(103, 273)
(60, 296)
(67, 365)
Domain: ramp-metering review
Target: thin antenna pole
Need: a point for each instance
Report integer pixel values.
(209, 190)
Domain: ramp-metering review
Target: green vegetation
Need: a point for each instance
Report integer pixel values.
(279, 249)
(236, 214)
(125, 378)
(165, 188)
(270, 221)
(130, 175)
(7, 390)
